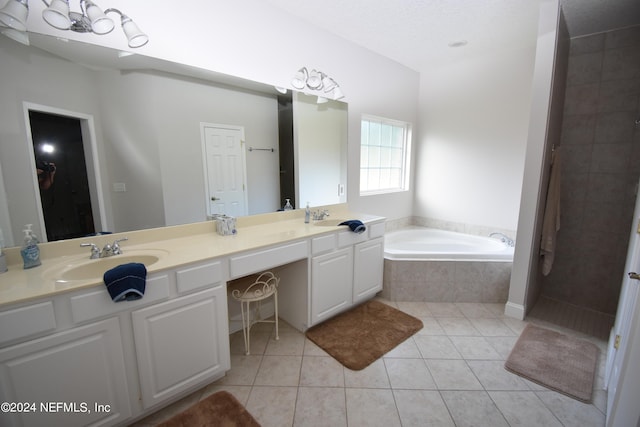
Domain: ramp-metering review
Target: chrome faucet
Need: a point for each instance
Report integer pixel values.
(115, 248)
(107, 251)
(504, 239)
(320, 214)
(95, 252)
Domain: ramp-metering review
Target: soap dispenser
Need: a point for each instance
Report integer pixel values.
(30, 251)
(307, 214)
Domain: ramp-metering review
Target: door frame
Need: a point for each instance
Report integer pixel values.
(90, 146)
(621, 371)
(205, 169)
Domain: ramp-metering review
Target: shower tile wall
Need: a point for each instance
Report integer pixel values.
(600, 169)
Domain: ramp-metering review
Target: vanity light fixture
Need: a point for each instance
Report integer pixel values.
(317, 81)
(299, 80)
(91, 19)
(19, 36)
(14, 15)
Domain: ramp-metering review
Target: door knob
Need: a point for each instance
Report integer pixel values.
(214, 199)
(634, 275)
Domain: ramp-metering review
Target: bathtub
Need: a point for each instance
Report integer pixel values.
(427, 264)
(430, 244)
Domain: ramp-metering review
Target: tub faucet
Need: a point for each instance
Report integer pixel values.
(504, 239)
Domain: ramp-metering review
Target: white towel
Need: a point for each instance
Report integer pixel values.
(551, 220)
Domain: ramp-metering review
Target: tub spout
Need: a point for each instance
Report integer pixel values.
(504, 239)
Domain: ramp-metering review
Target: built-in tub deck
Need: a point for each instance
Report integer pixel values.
(427, 264)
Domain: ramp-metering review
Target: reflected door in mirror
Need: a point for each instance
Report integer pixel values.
(225, 170)
(62, 175)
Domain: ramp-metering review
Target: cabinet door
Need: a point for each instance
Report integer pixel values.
(73, 378)
(331, 284)
(368, 268)
(181, 343)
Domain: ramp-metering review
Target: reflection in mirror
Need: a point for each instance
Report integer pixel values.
(59, 156)
(148, 117)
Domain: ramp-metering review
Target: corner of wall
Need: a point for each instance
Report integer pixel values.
(524, 285)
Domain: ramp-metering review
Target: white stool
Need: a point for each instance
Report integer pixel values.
(264, 286)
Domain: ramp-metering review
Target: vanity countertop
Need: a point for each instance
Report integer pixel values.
(184, 245)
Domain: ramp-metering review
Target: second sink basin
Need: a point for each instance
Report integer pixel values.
(90, 269)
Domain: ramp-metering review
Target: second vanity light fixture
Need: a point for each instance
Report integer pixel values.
(319, 82)
(91, 19)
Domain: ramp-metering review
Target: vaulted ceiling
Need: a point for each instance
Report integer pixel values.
(418, 33)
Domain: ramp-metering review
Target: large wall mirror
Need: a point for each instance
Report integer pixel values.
(144, 125)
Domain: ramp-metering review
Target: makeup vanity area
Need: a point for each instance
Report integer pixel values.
(66, 345)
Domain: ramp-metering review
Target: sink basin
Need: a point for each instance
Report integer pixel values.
(90, 269)
(328, 222)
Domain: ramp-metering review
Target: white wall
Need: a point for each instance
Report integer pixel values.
(473, 129)
(253, 40)
(526, 256)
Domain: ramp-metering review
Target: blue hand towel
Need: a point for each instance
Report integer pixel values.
(355, 225)
(126, 282)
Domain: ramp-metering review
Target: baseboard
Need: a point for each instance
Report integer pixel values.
(514, 310)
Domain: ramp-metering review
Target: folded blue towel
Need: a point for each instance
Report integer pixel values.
(355, 225)
(126, 282)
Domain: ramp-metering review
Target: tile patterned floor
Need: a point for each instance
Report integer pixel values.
(449, 374)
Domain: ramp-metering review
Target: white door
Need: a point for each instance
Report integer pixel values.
(224, 168)
(620, 341)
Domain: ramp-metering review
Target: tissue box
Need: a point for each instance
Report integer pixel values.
(225, 225)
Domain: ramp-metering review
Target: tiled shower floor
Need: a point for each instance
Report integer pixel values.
(449, 374)
(572, 317)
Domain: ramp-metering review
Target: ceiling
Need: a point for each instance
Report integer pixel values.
(417, 33)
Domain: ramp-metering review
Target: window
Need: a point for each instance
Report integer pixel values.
(384, 155)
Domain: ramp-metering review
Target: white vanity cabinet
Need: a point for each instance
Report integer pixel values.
(331, 284)
(72, 378)
(82, 359)
(73, 357)
(368, 267)
(181, 343)
(346, 269)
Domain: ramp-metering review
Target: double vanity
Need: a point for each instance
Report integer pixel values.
(71, 356)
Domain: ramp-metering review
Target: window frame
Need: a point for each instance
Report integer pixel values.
(406, 155)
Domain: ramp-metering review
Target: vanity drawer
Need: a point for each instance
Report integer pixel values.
(253, 262)
(376, 230)
(323, 244)
(95, 304)
(207, 275)
(347, 238)
(26, 321)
